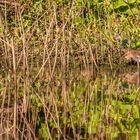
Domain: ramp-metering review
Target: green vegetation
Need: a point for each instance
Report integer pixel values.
(53, 78)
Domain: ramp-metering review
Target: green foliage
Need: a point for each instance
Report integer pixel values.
(36, 101)
(37, 6)
(31, 14)
(129, 8)
(81, 25)
(138, 44)
(100, 10)
(94, 121)
(43, 132)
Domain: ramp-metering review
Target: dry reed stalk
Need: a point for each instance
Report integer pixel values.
(40, 70)
(56, 42)
(10, 2)
(63, 62)
(93, 57)
(15, 92)
(46, 43)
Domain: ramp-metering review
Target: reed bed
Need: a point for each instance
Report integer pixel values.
(51, 57)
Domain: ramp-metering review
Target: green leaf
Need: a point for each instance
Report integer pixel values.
(43, 131)
(138, 44)
(93, 122)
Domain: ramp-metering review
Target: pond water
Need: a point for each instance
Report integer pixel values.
(82, 103)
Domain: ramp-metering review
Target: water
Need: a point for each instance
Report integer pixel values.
(81, 103)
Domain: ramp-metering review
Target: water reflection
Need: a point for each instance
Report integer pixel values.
(122, 136)
(128, 75)
(86, 74)
(133, 78)
(95, 102)
(113, 101)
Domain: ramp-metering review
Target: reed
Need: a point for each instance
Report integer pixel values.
(52, 55)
